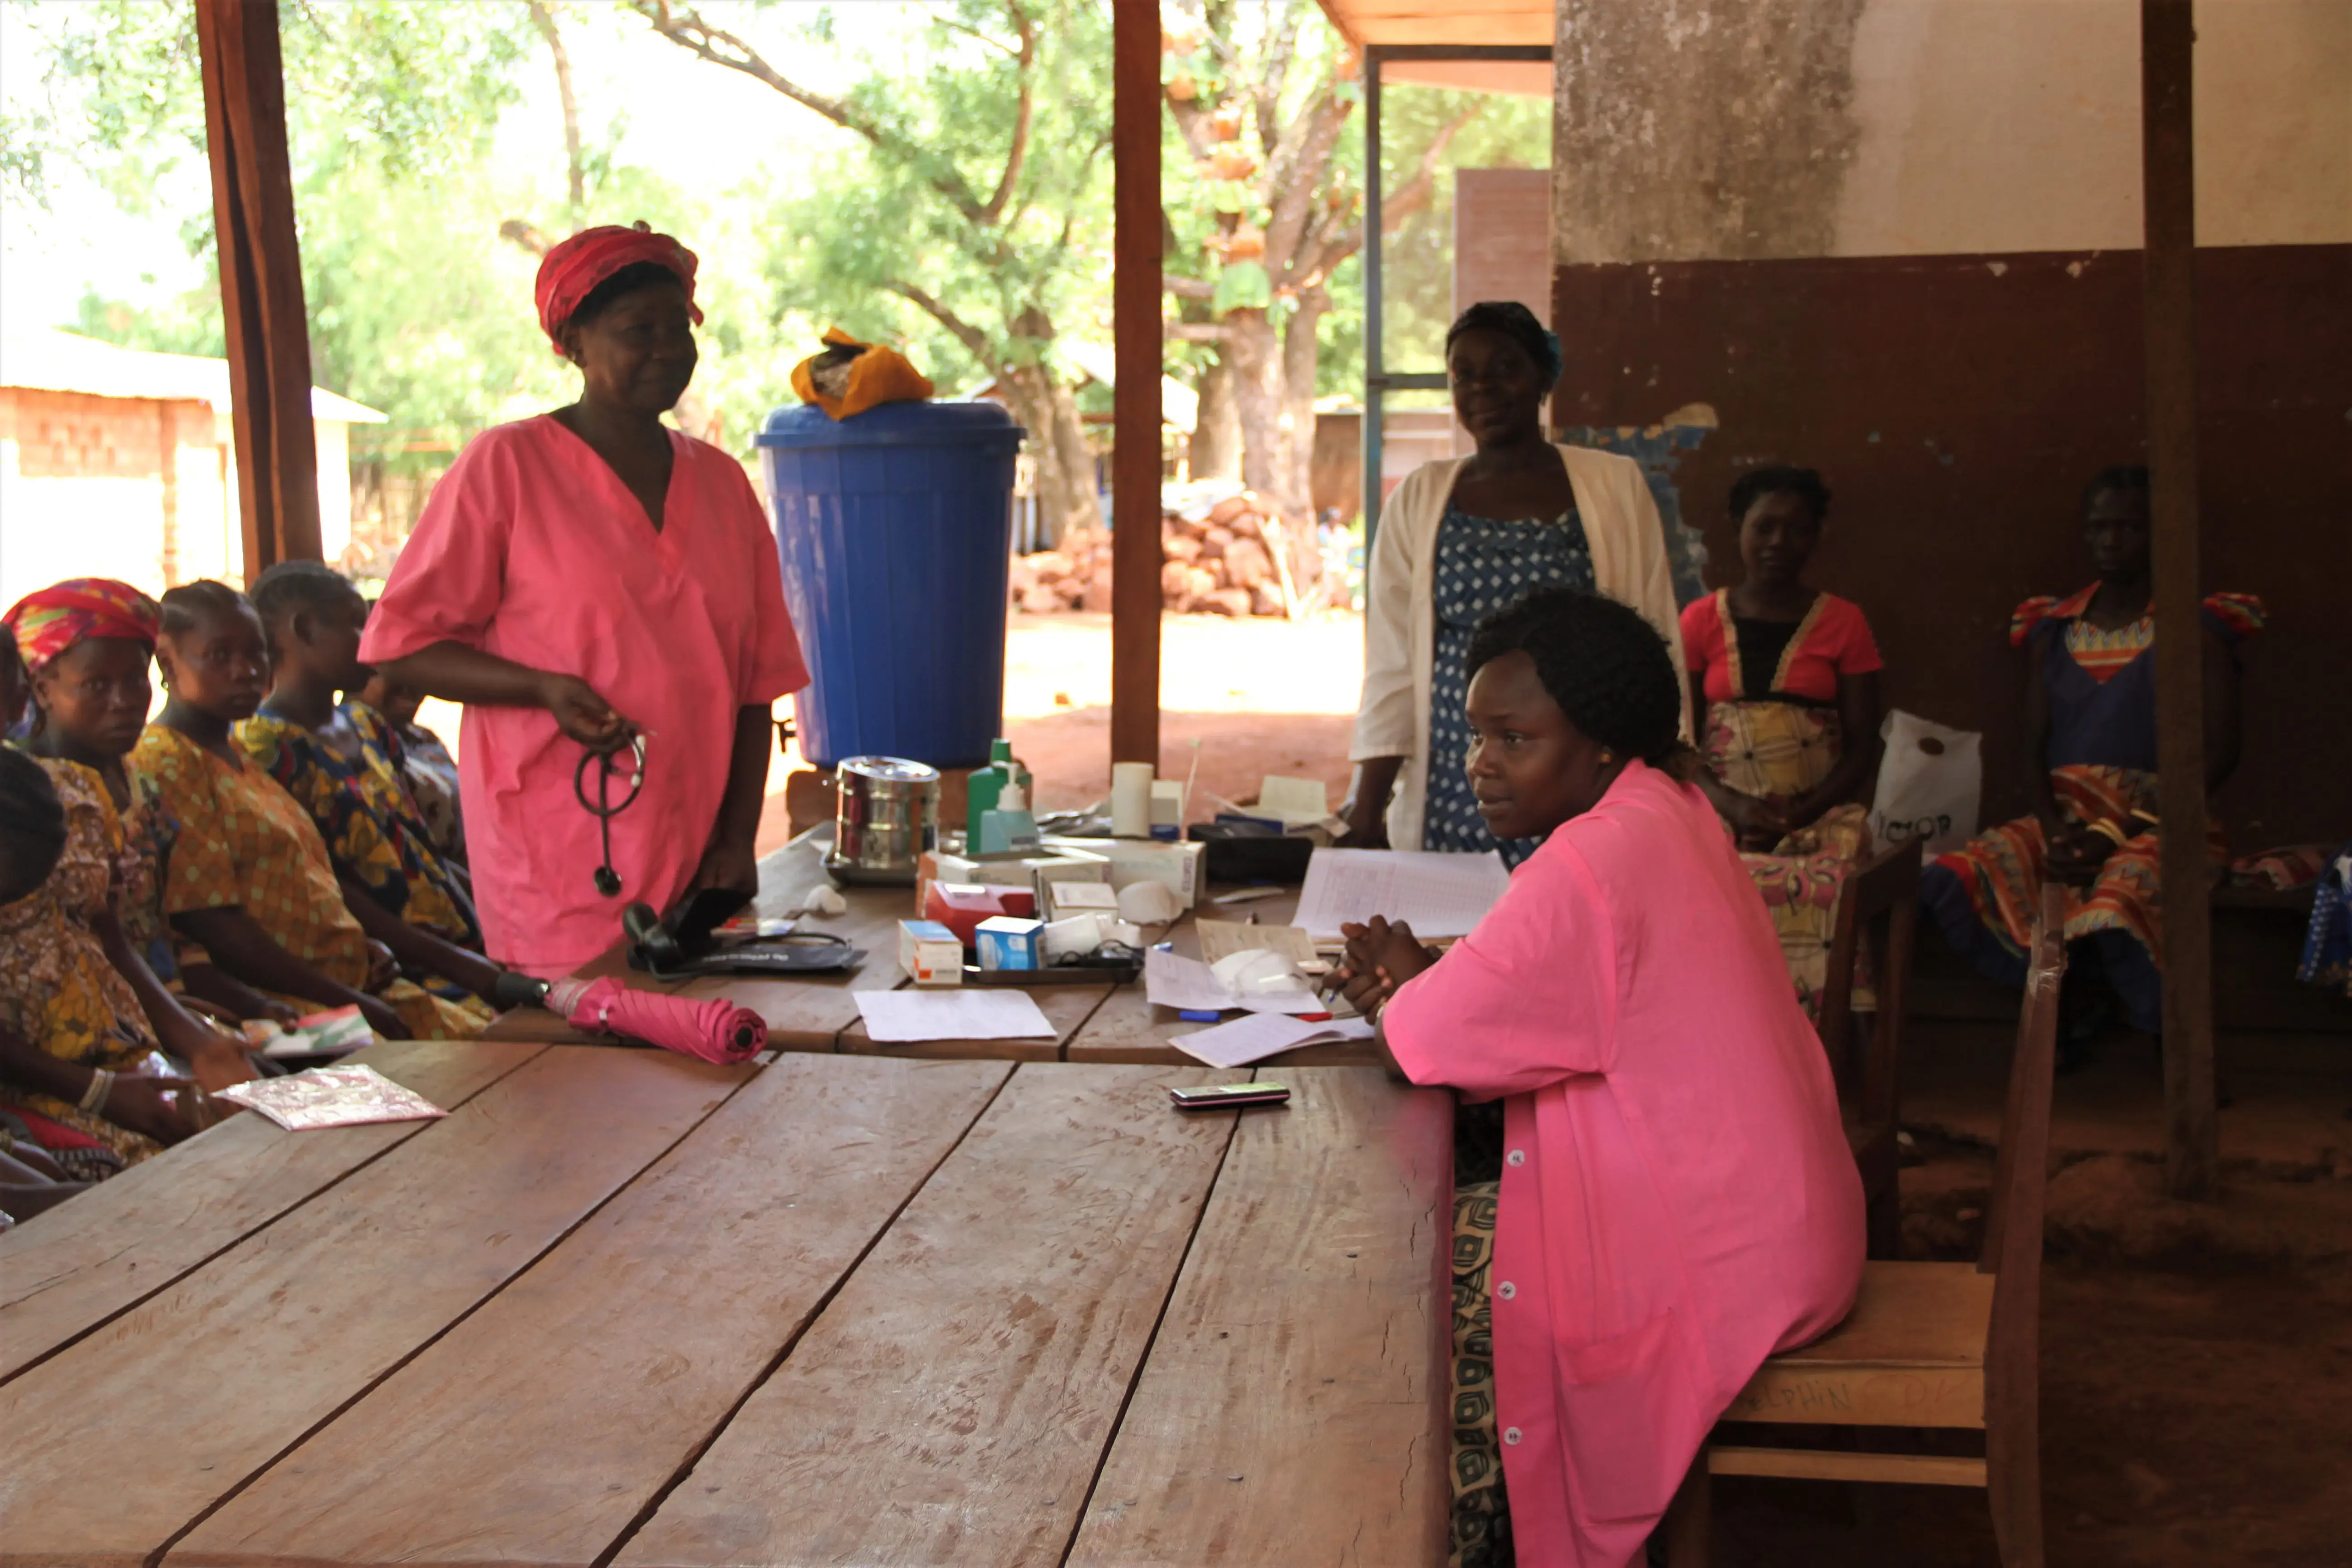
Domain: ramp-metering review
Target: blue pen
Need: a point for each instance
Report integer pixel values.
(1197, 1015)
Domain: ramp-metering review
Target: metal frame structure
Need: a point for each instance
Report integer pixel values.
(1379, 380)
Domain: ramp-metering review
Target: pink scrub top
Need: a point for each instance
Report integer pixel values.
(1679, 1201)
(533, 550)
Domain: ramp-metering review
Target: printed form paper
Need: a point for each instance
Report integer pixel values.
(899, 1018)
(1263, 1035)
(1222, 939)
(1440, 896)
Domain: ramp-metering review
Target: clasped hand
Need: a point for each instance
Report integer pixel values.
(1381, 955)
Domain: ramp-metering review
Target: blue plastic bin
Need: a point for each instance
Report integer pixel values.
(895, 529)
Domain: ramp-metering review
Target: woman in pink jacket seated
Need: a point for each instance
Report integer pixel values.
(1677, 1201)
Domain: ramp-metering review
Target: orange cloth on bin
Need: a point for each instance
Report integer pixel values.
(876, 375)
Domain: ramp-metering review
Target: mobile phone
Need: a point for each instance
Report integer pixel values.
(1218, 1095)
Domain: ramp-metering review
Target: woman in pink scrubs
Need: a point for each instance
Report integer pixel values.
(589, 579)
(1678, 1202)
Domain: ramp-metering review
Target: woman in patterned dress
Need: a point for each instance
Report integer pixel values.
(1784, 682)
(83, 1016)
(2090, 734)
(343, 761)
(1465, 537)
(250, 876)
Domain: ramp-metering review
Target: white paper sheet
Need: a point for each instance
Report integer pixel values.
(966, 1013)
(1190, 987)
(1184, 983)
(1439, 896)
(1263, 1035)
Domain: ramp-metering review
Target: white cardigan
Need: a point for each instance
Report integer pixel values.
(1629, 563)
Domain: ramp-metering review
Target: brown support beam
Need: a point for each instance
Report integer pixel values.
(1135, 557)
(261, 281)
(2167, 45)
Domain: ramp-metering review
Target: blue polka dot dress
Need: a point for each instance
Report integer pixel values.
(1483, 565)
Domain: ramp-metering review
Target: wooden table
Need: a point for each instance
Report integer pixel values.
(1093, 1023)
(623, 1307)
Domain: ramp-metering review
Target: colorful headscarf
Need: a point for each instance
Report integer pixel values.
(53, 620)
(571, 270)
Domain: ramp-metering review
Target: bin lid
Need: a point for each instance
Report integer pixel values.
(893, 424)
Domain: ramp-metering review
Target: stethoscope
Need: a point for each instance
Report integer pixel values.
(604, 808)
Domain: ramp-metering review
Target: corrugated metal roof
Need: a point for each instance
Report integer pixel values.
(52, 361)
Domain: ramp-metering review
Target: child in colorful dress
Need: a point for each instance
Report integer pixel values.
(344, 761)
(250, 876)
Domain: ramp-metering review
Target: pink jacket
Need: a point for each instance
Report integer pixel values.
(1679, 1201)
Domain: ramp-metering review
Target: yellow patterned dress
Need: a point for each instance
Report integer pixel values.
(245, 842)
(373, 828)
(58, 989)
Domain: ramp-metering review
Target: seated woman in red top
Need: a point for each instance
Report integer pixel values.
(1784, 690)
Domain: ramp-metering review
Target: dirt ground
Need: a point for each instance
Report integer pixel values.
(1259, 696)
(2196, 1360)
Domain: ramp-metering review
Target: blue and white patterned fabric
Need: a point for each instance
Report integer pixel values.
(1483, 565)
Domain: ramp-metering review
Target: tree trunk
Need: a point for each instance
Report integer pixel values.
(1256, 360)
(1301, 351)
(1056, 445)
(1216, 444)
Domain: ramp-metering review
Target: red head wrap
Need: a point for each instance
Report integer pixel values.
(571, 270)
(48, 623)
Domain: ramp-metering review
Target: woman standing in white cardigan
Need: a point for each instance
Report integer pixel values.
(1462, 538)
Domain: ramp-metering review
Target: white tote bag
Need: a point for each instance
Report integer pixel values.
(1930, 784)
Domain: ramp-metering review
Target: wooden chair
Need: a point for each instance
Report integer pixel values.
(1877, 914)
(1929, 1345)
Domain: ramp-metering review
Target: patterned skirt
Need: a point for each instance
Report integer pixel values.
(1481, 1533)
(1766, 749)
(1985, 894)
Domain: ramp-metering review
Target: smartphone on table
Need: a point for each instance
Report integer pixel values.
(1219, 1096)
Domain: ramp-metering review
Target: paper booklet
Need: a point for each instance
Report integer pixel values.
(1440, 896)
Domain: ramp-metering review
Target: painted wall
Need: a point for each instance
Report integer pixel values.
(1957, 405)
(137, 489)
(1701, 130)
(1895, 240)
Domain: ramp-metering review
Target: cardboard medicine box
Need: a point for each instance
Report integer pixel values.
(1009, 941)
(930, 954)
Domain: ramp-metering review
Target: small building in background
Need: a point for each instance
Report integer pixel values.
(120, 463)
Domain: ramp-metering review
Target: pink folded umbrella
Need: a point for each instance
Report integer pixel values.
(714, 1031)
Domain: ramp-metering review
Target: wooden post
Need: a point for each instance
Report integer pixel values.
(1135, 408)
(2168, 44)
(261, 281)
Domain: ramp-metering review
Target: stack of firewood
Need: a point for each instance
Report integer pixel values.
(1225, 552)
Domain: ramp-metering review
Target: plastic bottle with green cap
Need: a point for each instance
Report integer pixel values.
(986, 789)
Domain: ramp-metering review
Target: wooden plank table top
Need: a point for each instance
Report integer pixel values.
(112, 1446)
(127, 1238)
(623, 1307)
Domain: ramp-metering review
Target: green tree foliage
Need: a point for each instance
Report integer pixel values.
(1262, 191)
(971, 221)
(390, 104)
